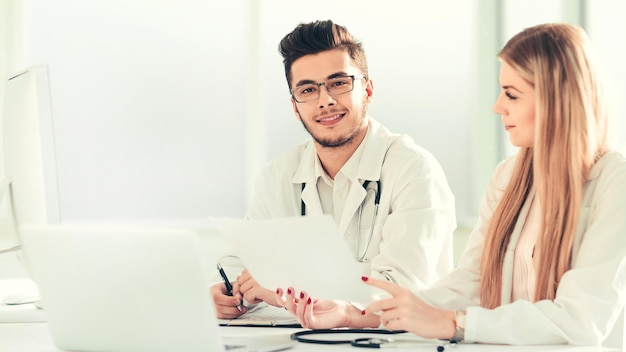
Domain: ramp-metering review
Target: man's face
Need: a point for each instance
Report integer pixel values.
(332, 120)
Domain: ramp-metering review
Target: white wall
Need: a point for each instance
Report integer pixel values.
(148, 104)
(170, 108)
(5, 24)
(605, 23)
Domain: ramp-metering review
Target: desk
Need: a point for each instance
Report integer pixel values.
(24, 328)
(35, 337)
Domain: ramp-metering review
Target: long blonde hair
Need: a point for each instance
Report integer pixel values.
(570, 136)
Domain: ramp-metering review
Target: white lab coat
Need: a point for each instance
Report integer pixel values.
(412, 237)
(590, 295)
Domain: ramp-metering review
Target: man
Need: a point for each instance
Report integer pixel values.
(351, 163)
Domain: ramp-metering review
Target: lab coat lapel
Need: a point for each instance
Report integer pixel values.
(306, 174)
(353, 202)
(375, 146)
(311, 198)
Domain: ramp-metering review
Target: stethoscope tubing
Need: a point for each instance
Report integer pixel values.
(300, 336)
(361, 342)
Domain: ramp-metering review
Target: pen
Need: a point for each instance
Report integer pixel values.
(229, 287)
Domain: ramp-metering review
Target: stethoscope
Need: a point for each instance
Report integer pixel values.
(358, 255)
(386, 340)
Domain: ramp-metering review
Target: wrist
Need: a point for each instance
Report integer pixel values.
(356, 318)
(459, 326)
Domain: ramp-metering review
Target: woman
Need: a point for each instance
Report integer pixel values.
(546, 262)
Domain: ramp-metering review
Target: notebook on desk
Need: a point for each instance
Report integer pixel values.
(263, 315)
(123, 289)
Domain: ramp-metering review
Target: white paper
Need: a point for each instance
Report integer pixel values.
(306, 253)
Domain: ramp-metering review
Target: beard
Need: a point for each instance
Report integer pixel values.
(342, 140)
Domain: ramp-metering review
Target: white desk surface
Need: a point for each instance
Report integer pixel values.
(23, 328)
(35, 337)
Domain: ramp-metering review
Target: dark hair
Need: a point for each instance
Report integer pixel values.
(315, 37)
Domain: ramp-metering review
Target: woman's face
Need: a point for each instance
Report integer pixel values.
(516, 106)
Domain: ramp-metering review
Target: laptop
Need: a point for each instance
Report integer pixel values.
(123, 288)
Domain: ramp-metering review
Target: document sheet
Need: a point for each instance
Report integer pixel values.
(306, 253)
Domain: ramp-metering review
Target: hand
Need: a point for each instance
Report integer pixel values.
(225, 305)
(252, 292)
(323, 314)
(405, 311)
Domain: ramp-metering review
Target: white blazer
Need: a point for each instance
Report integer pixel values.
(590, 296)
(412, 237)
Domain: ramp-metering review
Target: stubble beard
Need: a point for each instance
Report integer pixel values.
(342, 140)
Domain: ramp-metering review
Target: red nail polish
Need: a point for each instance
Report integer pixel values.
(301, 295)
(364, 278)
(288, 291)
(277, 291)
(308, 301)
(362, 312)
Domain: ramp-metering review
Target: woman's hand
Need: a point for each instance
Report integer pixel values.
(405, 311)
(323, 314)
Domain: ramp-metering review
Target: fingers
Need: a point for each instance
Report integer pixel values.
(245, 282)
(245, 275)
(276, 299)
(388, 286)
(218, 292)
(295, 305)
(381, 305)
(307, 311)
(392, 288)
(301, 310)
(225, 306)
(300, 305)
(237, 290)
(229, 312)
(290, 301)
(387, 312)
(254, 293)
(279, 297)
(249, 289)
(393, 324)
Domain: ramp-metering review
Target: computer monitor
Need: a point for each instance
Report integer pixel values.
(29, 192)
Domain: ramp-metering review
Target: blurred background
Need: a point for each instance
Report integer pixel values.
(170, 108)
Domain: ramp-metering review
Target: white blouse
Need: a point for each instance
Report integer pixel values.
(527, 257)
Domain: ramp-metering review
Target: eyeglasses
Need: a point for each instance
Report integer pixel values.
(334, 86)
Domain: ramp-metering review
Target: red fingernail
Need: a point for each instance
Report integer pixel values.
(364, 278)
(363, 312)
(288, 291)
(301, 294)
(277, 291)
(308, 301)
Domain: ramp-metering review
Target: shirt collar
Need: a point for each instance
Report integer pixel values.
(364, 164)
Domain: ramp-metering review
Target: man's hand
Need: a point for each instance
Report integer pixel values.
(225, 305)
(254, 293)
